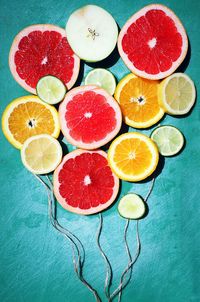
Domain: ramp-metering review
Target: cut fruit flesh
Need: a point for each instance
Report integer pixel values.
(152, 51)
(168, 139)
(41, 154)
(92, 33)
(131, 206)
(40, 50)
(101, 78)
(139, 101)
(177, 94)
(51, 90)
(84, 183)
(89, 117)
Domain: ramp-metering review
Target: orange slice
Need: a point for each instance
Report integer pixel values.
(133, 156)
(138, 99)
(27, 116)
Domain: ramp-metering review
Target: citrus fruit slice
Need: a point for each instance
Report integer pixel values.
(131, 206)
(40, 50)
(51, 90)
(138, 99)
(41, 154)
(84, 183)
(133, 156)
(177, 94)
(92, 33)
(168, 139)
(153, 42)
(102, 78)
(27, 116)
(89, 117)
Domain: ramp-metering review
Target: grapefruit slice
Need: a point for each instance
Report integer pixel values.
(89, 117)
(153, 42)
(84, 183)
(41, 50)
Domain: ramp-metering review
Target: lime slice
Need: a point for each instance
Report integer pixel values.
(131, 206)
(51, 90)
(41, 154)
(177, 94)
(102, 78)
(168, 139)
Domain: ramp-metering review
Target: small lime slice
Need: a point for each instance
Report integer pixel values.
(102, 78)
(168, 139)
(131, 206)
(51, 89)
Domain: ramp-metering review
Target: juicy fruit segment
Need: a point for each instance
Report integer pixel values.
(131, 206)
(84, 183)
(41, 154)
(138, 100)
(177, 94)
(149, 50)
(102, 78)
(168, 139)
(28, 116)
(133, 156)
(40, 50)
(92, 33)
(51, 90)
(89, 117)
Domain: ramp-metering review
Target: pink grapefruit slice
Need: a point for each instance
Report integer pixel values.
(89, 117)
(153, 42)
(41, 50)
(84, 183)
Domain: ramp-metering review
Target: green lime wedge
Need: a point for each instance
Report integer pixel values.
(50, 89)
(131, 206)
(102, 78)
(168, 139)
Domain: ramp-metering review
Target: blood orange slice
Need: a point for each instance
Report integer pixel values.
(89, 117)
(84, 183)
(41, 50)
(153, 42)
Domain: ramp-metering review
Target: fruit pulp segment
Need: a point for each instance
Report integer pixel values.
(43, 53)
(150, 46)
(139, 99)
(132, 156)
(89, 117)
(29, 119)
(86, 181)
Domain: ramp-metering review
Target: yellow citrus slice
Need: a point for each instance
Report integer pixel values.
(27, 116)
(138, 99)
(41, 154)
(133, 156)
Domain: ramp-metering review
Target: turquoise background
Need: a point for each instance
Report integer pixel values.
(35, 261)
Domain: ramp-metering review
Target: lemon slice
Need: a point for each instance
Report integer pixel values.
(41, 154)
(177, 94)
(168, 139)
(102, 78)
(51, 89)
(131, 206)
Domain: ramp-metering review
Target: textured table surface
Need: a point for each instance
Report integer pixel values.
(35, 261)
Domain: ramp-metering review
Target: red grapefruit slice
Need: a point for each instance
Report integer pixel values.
(41, 50)
(89, 117)
(84, 183)
(153, 42)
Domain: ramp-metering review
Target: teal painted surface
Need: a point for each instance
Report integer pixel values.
(35, 261)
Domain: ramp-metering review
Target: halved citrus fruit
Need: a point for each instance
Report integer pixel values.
(133, 156)
(89, 117)
(27, 116)
(84, 183)
(138, 99)
(131, 206)
(153, 42)
(40, 50)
